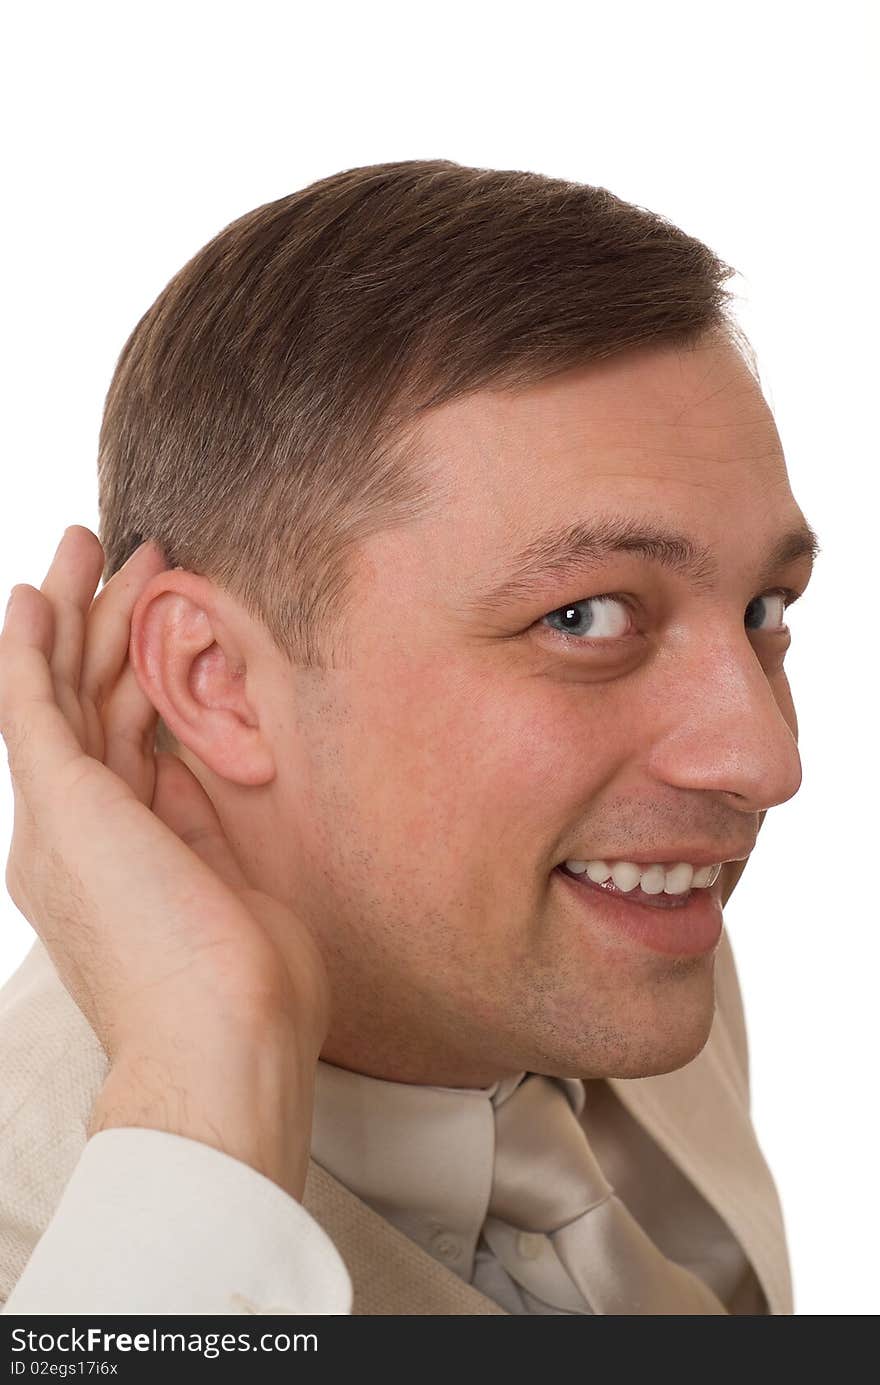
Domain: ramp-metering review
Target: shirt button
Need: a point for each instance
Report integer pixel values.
(446, 1246)
(529, 1244)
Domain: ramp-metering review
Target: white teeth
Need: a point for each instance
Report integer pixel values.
(653, 880)
(598, 871)
(625, 875)
(678, 879)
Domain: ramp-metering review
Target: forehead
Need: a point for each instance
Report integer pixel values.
(679, 434)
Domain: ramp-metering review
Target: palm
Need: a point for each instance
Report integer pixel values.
(119, 858)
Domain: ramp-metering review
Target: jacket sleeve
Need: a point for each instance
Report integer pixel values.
(151, 1222)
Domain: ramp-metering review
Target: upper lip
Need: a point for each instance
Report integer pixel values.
(695, 856)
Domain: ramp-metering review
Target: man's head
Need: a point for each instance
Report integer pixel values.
(408, 738)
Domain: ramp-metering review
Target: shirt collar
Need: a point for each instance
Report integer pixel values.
(420, 1156)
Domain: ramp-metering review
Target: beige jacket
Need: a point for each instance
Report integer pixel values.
(140, 1221)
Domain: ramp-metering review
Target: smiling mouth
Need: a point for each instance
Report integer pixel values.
(689, 924)
(636, 895)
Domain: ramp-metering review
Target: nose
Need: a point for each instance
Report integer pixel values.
(728, 726)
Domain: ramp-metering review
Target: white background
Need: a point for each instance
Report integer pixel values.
(133, 133)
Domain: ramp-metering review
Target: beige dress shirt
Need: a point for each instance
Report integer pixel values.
(422, 1158)
(136, 1220)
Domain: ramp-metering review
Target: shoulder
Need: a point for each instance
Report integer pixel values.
(51, 1069)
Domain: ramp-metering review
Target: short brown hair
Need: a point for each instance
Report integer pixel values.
(262, 419)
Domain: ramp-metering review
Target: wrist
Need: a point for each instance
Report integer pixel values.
(247, 1095)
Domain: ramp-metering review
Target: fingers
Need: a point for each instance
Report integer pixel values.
(69, 586)
(91, 634)
(129, 727)
(120, 717)
(40, 741)
(183, 805)
(91, 643)
(66, 682)
(109, 619)
(55, 638)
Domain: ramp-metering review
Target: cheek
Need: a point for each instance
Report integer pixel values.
(460, 767)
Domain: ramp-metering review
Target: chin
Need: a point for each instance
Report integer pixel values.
(667, 1061)
(676, 1028)
(651, 1055)
(657, 1041)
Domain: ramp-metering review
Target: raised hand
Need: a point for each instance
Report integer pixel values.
(209, 997)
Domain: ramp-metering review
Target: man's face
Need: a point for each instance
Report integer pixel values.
(434, 786)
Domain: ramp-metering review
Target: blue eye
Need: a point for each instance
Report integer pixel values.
(577, 618)
(773, 603)
(608, 617)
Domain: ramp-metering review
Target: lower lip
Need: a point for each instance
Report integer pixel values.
(685, 929)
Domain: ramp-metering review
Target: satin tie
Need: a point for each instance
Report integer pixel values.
(558, 1227)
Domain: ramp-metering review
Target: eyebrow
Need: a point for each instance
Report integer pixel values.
(564, 552)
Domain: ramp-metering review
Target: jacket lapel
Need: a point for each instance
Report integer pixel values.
(699, 1116)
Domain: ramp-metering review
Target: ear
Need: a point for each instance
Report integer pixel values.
(188, 652)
